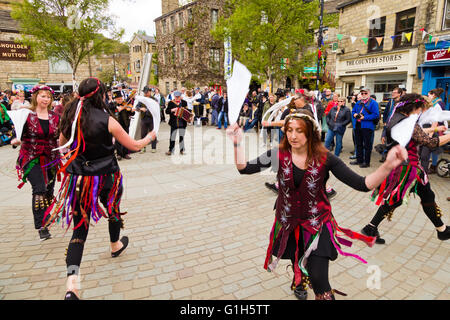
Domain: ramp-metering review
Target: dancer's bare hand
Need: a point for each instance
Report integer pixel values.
(396, 156)
(152, 135)
(235, 133)
(15, 142)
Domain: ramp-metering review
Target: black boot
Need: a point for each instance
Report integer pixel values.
(444, 235)
(372, 231)
(272, 186)
(300, 291)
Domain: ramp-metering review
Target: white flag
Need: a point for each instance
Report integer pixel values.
(403, 131)
(238, 86)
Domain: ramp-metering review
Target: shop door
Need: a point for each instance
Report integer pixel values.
(444, 83)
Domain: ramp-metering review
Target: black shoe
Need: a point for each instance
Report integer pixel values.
(44, 234)
(119, 158)
(372, 231)
(364, 165)
(300, 293)
(353, 157)
(331, 194)
(444, 235)
(71, 296)
(272, 187)
(355, 162)
(124, 240)
(352, 152)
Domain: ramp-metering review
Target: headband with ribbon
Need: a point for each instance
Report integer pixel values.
(76, 124)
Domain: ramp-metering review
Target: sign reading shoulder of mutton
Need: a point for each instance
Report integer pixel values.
(10, 50)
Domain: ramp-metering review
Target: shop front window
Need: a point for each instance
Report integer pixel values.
(404, 28)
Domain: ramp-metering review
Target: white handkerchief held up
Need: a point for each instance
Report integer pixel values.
(19, 117)
(434, 114)
(238, 86)
(403, 131)
(154, 109)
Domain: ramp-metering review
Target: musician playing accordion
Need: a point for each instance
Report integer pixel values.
(179, 117)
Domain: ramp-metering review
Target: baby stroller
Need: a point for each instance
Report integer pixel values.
(443, 166)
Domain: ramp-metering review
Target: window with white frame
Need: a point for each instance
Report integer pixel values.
(214, 58)
(181, 52)
(166, 56)
(446, 17)
(172, 23)
(164, 26)
(214, 16)
(180, 20)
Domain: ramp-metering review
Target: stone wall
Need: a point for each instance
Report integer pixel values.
(195, 41)
(354, 20)
(169, 5)
(41, 69)
(135, 55)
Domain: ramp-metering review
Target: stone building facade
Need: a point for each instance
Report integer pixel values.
(381, 46)
(434, 67)
(17, 72)
(139, 46)
(187, 53)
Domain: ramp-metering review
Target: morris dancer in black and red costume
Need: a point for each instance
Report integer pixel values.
(91, 174)
(37, 162)
(305, 231)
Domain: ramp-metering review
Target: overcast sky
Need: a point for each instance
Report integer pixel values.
(134, 15)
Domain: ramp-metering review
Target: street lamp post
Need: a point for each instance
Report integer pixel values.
(114, 65)
(320, 39)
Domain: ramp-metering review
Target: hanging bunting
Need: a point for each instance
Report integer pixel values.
(408, 36)
(424, 33)
(379, 40)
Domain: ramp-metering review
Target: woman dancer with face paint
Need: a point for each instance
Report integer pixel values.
(305, 230)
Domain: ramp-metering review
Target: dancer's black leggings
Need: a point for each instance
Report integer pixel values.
(429, 206)
(318, 268)
(41, 192)
(76, 244)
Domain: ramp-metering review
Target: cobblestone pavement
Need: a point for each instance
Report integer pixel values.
(200, 231)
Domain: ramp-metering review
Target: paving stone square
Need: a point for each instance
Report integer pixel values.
(199, 230)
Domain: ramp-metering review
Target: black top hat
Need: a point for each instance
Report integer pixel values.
(117, 94)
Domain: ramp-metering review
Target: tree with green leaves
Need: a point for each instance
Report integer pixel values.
(68, 30)
(270, 37)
